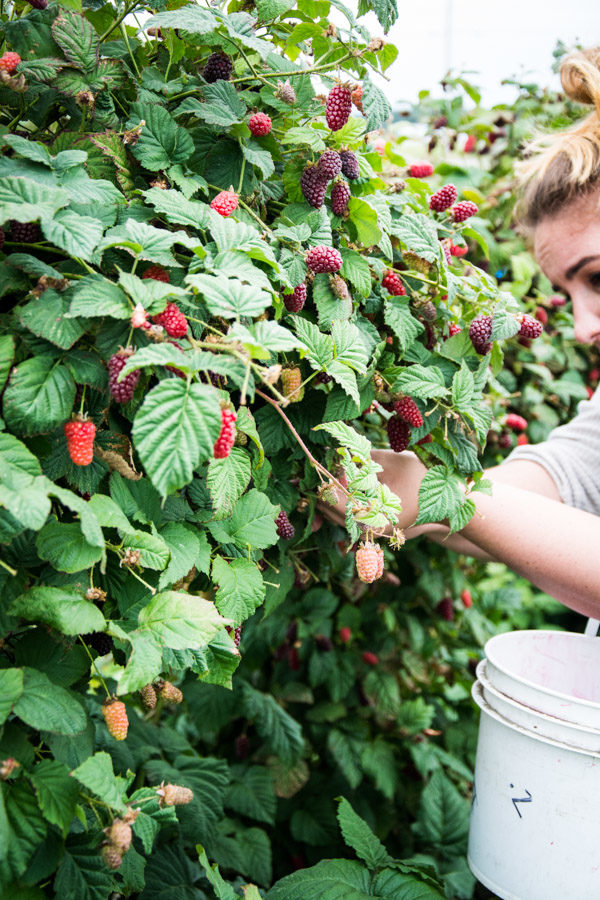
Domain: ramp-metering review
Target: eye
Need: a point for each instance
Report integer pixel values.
(594, 279)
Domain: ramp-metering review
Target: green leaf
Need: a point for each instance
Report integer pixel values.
(177, 208)
(444, 817)
(97, 774)
(304, 135)
(356, 270)
(376, 106)
(246, 424)
(48, 707)
(345, 752)
(191, 18)
(251, 793)
(7, 352)
(240, 588)
(252, 523)
(78, 235)
(229, 297)
(47, 317)
(222, 105)
(56, 792)
(397, 314)
(82, 874)
(96, 296)
(184, 547)
(222, 889)
(363, 219)
(349, 347)
(11, 688)
(27, 201)
(162, 143)
(346, 378)
(277, 728)
(257, 156)
(77, 39)
(398, 885)
(154, 553)
(419, 234)
(227, 479)
(60, 608)
(359, 837)
(65, 547)
(181, 621)
(174, 430)
(22, 828)
(39, 396)
(109, 514)
(440, 495)
(319, 346)
(463, 386)
(423, 382)
(330, 879)
(356, 443)
(505, 324)
(144, 663)
(33, 150)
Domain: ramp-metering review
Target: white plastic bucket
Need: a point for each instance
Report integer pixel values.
(540, 723)
(554, 672)
(535, 813)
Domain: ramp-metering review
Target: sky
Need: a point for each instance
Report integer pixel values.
(494, 40)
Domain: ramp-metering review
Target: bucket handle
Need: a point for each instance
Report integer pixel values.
(592, 626)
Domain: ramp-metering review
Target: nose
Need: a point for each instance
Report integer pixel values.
(587, 319)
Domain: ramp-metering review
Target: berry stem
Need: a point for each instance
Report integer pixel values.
(321, 68)
(245, 384)
(128, 45)
(241, 181)
(145, 583)
(256, 217)
(8, 568)
(93, 662)
(82, 400)
(118, 21)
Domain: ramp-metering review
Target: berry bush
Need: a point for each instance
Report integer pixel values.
(217, 300)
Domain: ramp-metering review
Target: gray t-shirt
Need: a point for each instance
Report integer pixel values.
(571, 455)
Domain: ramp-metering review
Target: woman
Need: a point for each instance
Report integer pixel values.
(543, 516)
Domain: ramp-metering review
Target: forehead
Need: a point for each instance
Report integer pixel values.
(562, 240)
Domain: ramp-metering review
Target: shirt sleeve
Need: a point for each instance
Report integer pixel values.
(571, 456)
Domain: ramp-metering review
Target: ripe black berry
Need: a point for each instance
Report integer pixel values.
(313, 184)
(323, 378)
(330, 164)
(340, 195)
(218, 68)
(398, 434)
(479, 332)
(350, 166)
(24, 232)
(99, 641)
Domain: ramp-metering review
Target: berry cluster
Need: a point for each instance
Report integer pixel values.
(369, 562)
(338, 106)
(323, 259)
(285, 529)
(392, 283)
(443, 199)
(295, 301)
(225, 203)
(80, 434)
(480, 330)
(122, 391)
(226, 438)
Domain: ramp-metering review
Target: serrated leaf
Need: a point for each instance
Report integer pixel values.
(27, 201)
(174, 430)
(330, 879)
(47, 707)
(251, 793)
(162, 143)
(356, 269)
(376, 106)
(47, 317)
(77, 39)
(177, 208)
(359, 837)
(181, 621)
(422, 382)
(419, 234)
(356, 443)
(240, 588)
(504, 325)
(440, 495)
(346, 379)
(252, 523)
(28, 149)
(56, 792)
(97, 774)
(349, 348)
(304, 135)
(397, 314)
(229, 297)
(11, 688)
(144, 663)
(444, 816)
(184, 546)
(65, 610)
(463, 386)
(96, 296)
(363, 219)
(259, 157)
(191, 18)
(39, 396)
(221, 105)
(78, 235)
(227, 479)
(277, 728)
(64, 546)
(319, 346)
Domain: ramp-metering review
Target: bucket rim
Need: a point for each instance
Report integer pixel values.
(484, 680)
(570, 635)
(484, 706)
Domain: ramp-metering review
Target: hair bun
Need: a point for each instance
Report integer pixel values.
(580, 76)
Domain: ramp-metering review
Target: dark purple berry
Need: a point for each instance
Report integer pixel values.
(285, 529)
(330, 164)
(122, 391)
(350, 167)
(38, 4)
(218, 68)
(340, 194)
(242, 745)
(480, 330)
(338, 106)
(313, 185)
(398, 434)
(24, 232)
(323, 643)
(99, 641)
(323, 378)
(2, 236)
(294, 302)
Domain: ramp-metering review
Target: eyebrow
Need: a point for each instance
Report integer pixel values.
(572, 272)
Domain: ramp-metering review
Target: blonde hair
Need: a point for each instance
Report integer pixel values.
(559, 168)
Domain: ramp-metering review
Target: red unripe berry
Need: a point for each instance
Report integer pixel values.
(345, 634)
(557, 301)
(530, 327)
(463, 210)
(340, 195)
(459, 249)
(467, 599)
(408, 410)
(522, 439)
(515, 422)
(541, 315)
(323, 259)
(226, 438)
(260, 124)
(80, 434)
(157, 273)
(225, 203)
(428, 439)
(470, 143)
(172, 320)
(391, 282)
(453, 329)
(421, 170)
(285, 529)
(357, 97)
(122, 391)
(338, 106)
(9, 62)
(444, 198)
(594, 374)
(371, 659)
(293, 659)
